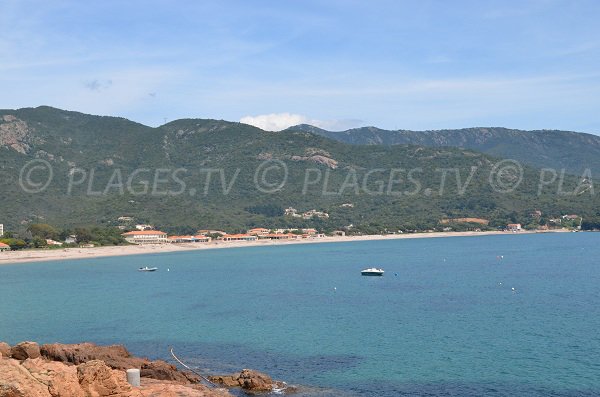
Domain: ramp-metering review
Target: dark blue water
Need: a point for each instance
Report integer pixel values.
(449, 323)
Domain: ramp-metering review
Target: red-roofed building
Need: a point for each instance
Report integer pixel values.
(239, 237)
(258, 231)
(4, 247)
(310, 231)
(280, 236)
(145, 237)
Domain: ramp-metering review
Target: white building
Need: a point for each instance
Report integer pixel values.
(145, 237)
(514, 227)
(189, 239)
(1, 230)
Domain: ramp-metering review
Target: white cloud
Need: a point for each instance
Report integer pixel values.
(275, 121)
(281, 121)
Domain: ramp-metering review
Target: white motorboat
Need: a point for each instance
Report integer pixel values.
(372, 271)
(147, 269)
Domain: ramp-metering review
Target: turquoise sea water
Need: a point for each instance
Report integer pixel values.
(448, 324)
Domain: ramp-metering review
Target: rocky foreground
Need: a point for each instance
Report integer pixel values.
(88, 370)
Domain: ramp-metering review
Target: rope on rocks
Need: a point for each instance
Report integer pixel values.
(194, 371)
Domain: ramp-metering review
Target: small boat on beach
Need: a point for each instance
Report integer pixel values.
(372, 271)
(147, 269)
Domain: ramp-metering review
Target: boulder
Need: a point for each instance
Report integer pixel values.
(225, 380)
(25, 350)
(98, 380)
(4, 349)
(255, 381)
(116, 356)
(16, 381)
(164, 371)
(60, 379)
(248, 379)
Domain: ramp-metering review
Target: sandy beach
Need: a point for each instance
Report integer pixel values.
(43, 255)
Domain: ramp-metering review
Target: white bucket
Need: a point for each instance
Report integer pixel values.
(133, 377)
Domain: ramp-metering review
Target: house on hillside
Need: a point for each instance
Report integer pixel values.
(145, 237)
(206, 232)
(72, 239)
(570, 217)
(314, 213)
(4, 247)
(142, 226)
(537, 214)
(290, 211)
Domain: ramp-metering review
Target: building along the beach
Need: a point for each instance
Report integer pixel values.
(513, 227)
(258, 231)
(145, 237)
(280, 236)
(239, 237)
(4, 247)
(188, 239)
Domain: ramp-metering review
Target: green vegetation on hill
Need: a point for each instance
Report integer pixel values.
(572, 151)
(191, 174)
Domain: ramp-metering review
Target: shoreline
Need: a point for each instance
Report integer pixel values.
(41, 255)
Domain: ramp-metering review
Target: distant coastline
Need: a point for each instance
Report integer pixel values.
(45, 255)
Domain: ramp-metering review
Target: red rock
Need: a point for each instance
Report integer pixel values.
(98, 380)
(155, 388)
(163, 371)
(60, 379)
(10, 391)
(43, 378)
(25, 350)
(226, 380)
(248, 380)
(255, 381)
(116, 356)
(16, 381)
(4, 349)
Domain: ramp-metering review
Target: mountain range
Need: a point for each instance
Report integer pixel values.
(196, 173)
(575, 152)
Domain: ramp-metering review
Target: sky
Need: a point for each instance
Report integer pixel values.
(336, 64)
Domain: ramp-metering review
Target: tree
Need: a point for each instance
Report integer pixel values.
(38, 242)
(83, 235)
(43, 231)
